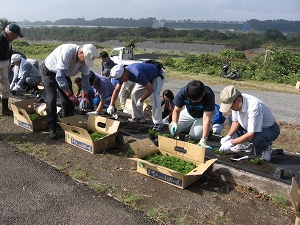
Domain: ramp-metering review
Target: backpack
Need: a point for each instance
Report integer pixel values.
(158, 64)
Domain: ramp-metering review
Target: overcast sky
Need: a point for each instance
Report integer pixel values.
(222, 10)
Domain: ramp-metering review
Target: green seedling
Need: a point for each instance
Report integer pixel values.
(255, 161)
(171, 162)
(218, 152)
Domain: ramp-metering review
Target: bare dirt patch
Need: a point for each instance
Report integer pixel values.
(208, 201)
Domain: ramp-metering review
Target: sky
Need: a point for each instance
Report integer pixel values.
(220, 10)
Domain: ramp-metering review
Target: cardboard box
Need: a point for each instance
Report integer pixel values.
(147, 109)
(297, 85)
(180, 149)
(76, 132)
(295, 195)
(21, 109)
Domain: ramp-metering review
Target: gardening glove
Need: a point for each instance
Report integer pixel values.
(111, 110)
(139, 103)
(203, 143)
(72, 98)
(226, 146)
(173, 128)
(15, 88)
(165, 121)
(85, 100)
(224, 139)
(92, 113)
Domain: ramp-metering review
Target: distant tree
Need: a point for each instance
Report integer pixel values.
(274, 35)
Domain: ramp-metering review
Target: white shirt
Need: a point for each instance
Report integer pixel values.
(254, 114)
(63, 62)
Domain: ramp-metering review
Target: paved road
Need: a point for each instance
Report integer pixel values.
(33, 192)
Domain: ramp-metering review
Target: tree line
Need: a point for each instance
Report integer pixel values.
(237, 41)
(252, 25)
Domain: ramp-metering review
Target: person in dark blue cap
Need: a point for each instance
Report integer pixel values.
(7, 36)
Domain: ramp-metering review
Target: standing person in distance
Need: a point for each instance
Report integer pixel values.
(7, 36)
(252, 121)
(196, 118)
(107, 64)
(65, 61)
(149, 80)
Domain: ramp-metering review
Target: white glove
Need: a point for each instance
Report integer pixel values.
(12, 86)
(139, 103)
(15, 88)
(224, 139)
(173, 128)
(203, 142)
(92, 113)
(226, 146)
(165, 121)
(111, 110)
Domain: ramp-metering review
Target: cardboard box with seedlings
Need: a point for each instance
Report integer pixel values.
(295, 195)
(172, 147)
(147, 109)
(23, 111)
(77, 132)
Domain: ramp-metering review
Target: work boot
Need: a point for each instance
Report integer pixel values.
(52, 134)
(5, 109)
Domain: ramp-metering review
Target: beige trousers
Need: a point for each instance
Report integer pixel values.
(4, 83)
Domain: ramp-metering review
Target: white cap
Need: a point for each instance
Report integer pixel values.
(15, 58)
(90, 54)
(116, 72)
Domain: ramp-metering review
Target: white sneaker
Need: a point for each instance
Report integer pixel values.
(266, 154)
(241, 148)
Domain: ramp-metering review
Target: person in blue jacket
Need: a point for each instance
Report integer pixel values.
(218, 121)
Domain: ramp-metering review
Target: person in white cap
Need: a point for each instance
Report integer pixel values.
(10, 33)
(26, 75)
(252, 121)
(149, 80)
(65, 61)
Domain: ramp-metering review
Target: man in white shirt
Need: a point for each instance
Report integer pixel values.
(252, 121)
(65, 61)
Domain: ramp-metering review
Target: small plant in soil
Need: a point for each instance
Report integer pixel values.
(255, 161)
(171, 162)
(218, 152)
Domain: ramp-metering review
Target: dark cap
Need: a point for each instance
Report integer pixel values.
(15, 29)
(92, 77)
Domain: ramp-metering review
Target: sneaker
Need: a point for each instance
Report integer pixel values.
(52, 134)
(137, 120)
(158, 127)
(266, 154)
(239, 148)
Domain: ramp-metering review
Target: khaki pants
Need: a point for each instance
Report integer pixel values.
(4, 83)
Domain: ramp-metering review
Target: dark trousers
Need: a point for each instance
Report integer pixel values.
(51, 87)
